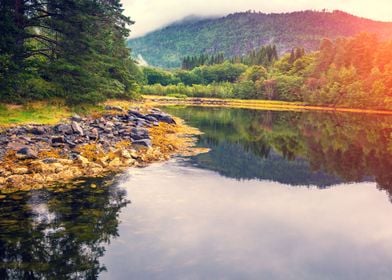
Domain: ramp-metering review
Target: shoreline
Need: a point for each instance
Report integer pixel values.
(254, 104)
(45, 156)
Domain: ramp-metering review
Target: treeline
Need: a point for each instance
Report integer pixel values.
(265, 56)
(71, 49)
(348, 72)
(282, 80)
(354, 72)
(190, 62)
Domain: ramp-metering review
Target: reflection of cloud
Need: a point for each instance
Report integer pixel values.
(189, 223)
(152, 14)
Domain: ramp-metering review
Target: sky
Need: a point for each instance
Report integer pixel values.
(153, 14)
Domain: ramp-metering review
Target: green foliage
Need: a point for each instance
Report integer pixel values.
(70, 49)
(190, 62)
(264, 56)
(351, 73)
(158, 76)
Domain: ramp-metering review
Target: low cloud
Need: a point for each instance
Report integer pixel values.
(153, 14)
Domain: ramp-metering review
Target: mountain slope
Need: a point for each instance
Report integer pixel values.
(239, 33)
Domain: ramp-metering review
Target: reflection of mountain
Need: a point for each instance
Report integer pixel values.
(46, 235)
(296, 148)
(232, 160)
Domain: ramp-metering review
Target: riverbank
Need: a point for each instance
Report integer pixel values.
(271, 105)
(107, 140)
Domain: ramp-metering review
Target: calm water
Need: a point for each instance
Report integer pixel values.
(281, 195)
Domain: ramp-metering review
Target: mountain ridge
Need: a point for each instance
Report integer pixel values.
(238, 33)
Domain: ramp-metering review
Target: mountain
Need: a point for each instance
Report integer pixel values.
(239, 33)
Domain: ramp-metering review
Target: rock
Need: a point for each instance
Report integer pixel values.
(163, 118)
(65, 161)
(143, 142)
(130, 162)
(38, 178)
(134, 154)
(64, 129)
(94, 134)
(26, 153)
(125, 154)
(82, 160)
(20, 170)
(139, 134)
(76, 118)
(114, 108)
(38, 130)
(77, 128)
(136, 114)
(50, 160)
(15, 180)
(57, 139)
(116, 162)
(58, 167)
(70, 143)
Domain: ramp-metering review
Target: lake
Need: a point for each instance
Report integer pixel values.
(280, 195)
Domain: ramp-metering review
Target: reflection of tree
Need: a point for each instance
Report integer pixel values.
(350, 146)
(58, 235)
(347, 147)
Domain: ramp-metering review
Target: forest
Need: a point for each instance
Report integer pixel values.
(67, 49)
(346, 72)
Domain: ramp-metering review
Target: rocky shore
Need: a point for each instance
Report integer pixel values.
(35, 156)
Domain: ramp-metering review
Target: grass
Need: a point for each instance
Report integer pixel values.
(49, 112)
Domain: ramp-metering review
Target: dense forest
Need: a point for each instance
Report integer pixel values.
(346, 72)
(239, 33)
(70, 49)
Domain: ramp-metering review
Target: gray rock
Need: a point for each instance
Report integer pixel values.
(77, 128)
(139, 133)
(143, 142)
(136, 114)
(64, 129)
(38, 130)
(163, 118)
(57, 139)
(26, 153)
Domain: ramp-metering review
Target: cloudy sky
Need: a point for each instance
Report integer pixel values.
(152, 14)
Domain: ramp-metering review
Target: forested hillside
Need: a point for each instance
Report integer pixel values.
(239, 33)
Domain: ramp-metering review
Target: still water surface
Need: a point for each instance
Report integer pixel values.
(281, 195)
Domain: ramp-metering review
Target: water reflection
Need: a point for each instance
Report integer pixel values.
(58, 235)
(189, 223)
(309, 148)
